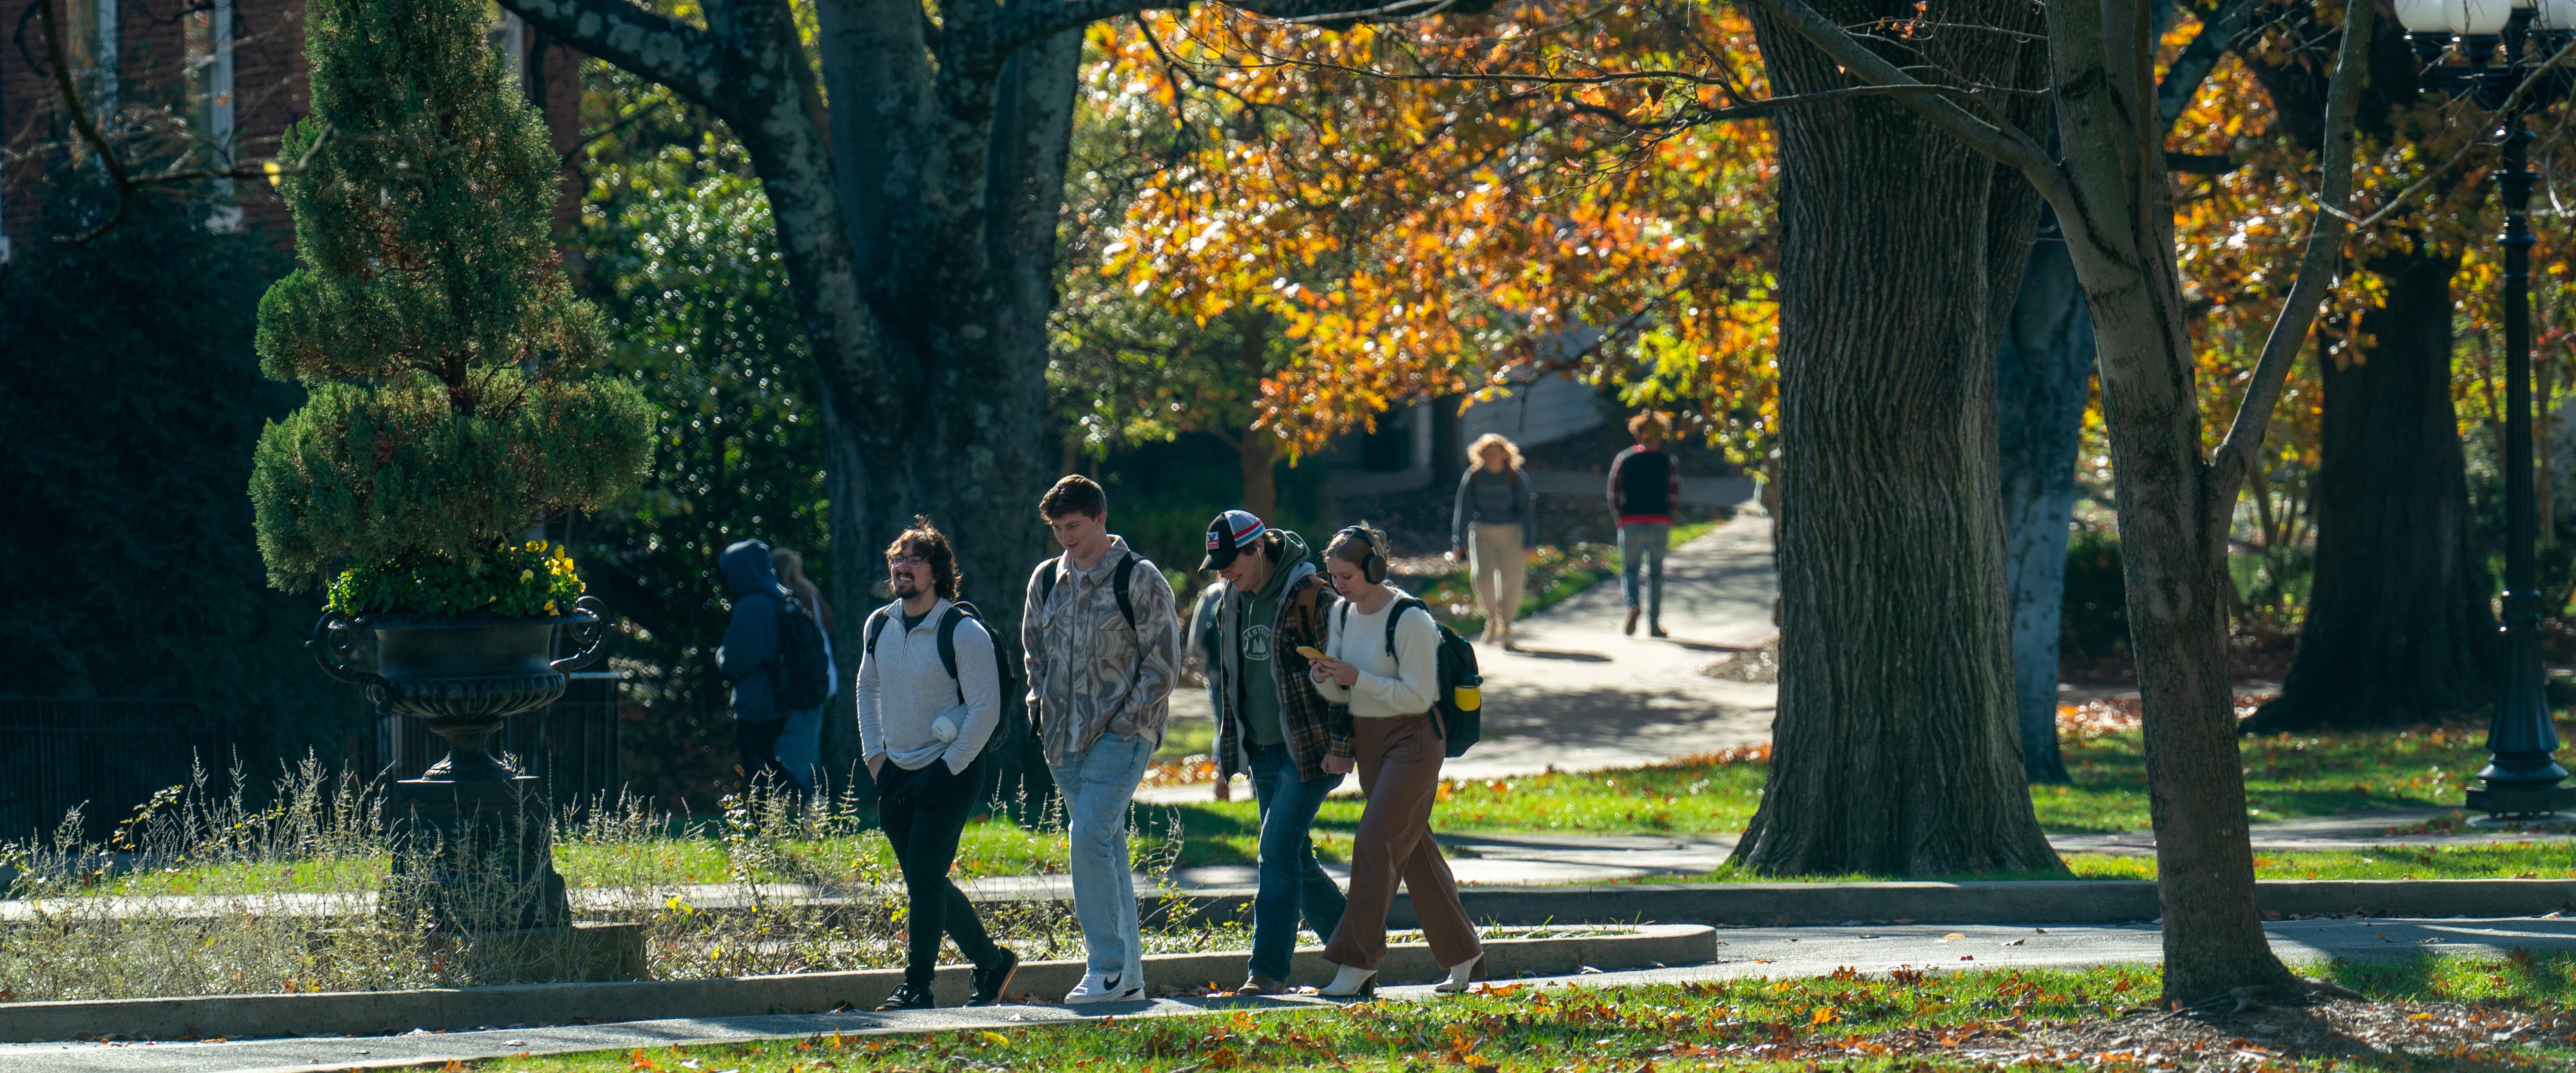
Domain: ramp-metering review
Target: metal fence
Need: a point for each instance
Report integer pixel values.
(572, 743)
(108, 755)
(102, 755)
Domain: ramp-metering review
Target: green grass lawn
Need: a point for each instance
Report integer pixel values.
(2286, 777)
(1845, 1021)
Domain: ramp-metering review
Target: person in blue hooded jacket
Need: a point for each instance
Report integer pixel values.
(750, 645)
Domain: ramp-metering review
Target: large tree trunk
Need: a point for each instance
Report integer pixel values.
(1895, 750)
(2398, 628)
(2043, 369)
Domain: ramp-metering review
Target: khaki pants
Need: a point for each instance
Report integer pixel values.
(1399, 761)
(1499, 566)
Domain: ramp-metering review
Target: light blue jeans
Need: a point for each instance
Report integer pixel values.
(1098, 784)
(1642, 546)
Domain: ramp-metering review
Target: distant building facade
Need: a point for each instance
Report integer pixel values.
(197, 83)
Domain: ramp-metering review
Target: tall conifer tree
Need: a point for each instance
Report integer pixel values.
(429, 319)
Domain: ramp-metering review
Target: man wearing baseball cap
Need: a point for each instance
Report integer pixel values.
(1275, 726)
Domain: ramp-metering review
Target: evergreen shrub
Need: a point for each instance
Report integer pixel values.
(429, 320)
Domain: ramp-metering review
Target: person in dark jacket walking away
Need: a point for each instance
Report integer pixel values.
(1103, 652)
(1272, 723)
(922, 733)
(746, 656)
(1645, 483)
(1493, 525)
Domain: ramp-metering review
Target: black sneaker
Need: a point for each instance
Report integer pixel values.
(994, 980)
(908, 997)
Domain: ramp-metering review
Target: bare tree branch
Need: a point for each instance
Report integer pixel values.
(2325, 247)
(2006, 145)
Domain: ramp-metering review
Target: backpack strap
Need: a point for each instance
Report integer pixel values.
(876, 628)
(1397, 615)
(1046, 580)
(958, 612)
(1126, 607)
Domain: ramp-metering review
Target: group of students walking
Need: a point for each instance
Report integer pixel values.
(1306, 695)
(1316, 667)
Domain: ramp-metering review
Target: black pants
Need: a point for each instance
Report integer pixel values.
(758, 744)
(924, 812)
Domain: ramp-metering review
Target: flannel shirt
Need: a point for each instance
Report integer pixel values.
(1316, 727)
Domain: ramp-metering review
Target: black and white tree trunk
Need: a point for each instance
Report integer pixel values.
(2043, 374)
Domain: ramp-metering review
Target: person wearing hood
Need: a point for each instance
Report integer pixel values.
(748, 654)
(1103, 651)
(1274, 725)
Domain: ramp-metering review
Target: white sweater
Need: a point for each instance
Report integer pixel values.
(1402, 684)
(904, 688)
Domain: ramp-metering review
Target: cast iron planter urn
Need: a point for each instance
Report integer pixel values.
(470, 833)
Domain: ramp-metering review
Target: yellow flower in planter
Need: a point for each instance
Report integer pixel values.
(527, 575)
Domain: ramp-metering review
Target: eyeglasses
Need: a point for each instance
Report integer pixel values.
(906, 559)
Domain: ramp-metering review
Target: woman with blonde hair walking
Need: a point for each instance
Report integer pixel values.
(1381, 658)
(1493, 525)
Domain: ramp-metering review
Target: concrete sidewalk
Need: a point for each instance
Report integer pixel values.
(1748, 952)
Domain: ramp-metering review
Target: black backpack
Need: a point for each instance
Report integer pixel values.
(958, 611)
(1460, 700)
(800, 677)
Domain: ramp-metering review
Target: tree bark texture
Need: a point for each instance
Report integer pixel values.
(1895, 750)
(2398, 630)
(2043, 371)
(2114, 200)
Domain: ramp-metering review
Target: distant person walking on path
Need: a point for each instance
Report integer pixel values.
(922, 731)
(1645, 483)
(748, 658)
(1388, 673)
(800, 736)
(1103, 653)
(1274, 723)
(1494, 525)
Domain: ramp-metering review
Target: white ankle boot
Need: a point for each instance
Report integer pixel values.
(1349, 981)
(1461, 976)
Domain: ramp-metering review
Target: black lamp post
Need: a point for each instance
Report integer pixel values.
(2456, 40)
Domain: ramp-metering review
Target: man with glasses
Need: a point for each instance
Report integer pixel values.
(930, 694)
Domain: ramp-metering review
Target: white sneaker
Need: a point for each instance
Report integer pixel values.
(1097, 986)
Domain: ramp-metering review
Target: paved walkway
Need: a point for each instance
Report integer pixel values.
(1755, 952)
(1580, 695)
(1541, 860)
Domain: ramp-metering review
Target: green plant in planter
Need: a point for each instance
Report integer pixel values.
(441, 346)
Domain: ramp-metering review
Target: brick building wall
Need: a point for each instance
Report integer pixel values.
(170, 93)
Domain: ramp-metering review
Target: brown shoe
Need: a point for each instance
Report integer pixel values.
(1256, 986)
(1631, 628)
(1657, 629)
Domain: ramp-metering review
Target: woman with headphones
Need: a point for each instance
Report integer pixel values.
(1381, 657)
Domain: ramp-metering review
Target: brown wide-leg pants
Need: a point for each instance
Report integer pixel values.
(1399, 762)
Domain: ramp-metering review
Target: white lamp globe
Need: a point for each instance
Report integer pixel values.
(2477, 17)
(2558, 15)
(2423, 17)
